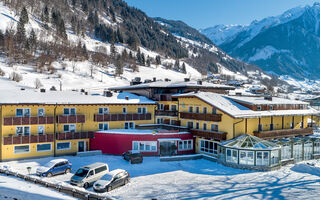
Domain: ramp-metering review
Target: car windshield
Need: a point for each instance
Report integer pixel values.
(107, 177)
(136, 155)
(50, 164)
(82, 172)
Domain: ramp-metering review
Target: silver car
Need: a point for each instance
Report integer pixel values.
(86, 176)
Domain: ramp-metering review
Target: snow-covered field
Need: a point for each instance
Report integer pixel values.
(194, 179)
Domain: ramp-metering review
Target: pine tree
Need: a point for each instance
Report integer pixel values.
(32, 41)
(20, 34)
(148, 63)
(24, 16)
(158, 60)
(119, 66)
(113, 50)
(183, 68)
(119, 36)
(177, 65)
(143, 59)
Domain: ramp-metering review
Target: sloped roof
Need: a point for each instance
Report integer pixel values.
(234, 109)
(250, 142)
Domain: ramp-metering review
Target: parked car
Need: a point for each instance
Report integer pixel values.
(133, 156)
(54, 167)
(112, 180)
(86, 176)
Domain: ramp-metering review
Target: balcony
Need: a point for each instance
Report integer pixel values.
(75, 135)
(121, 117)
(201, 116)
(213, 135)
(9, 140)
(167, 113)
(283, 133)
(66, 119)
(13, 121)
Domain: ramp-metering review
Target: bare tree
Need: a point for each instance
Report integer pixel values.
(37, 83)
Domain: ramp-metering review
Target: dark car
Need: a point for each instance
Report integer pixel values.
(111, 180)
(134, 157)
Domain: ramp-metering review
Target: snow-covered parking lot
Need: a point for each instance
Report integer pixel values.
(194, 179)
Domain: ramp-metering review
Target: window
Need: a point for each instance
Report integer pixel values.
(129, 125)
(271, 107)
(104, 110)
(317, 147)
(173, 107)
(271, 127)
(142, 110)
(185, 145)
(262, 158)
(23, 112)
(246, 158)
(124, 110)
(23, 130)
(204, 110)
(40, 112)
(204, 126)
(160, 120)
(301, 124)
(197, 125)
(69, 128)
(297, 151)
(103, 126)
(258, 108)
(214, 111)
(232, 155)
(260, 127)
(209, 147)
(91, 173)
(307, 150)
(214, 127)
(190, 109)
(160, 106)
(100, 169)
(69, 111)
(148, 146)
(43, 147)
(190, 125)
(40, 130)
(63, 146)
(197, 109)
(285, 151)
(22, 149)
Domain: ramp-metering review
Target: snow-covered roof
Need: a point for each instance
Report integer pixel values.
(31, 96)
(258, 100)
(250, 142)
(234, 109)
(142, 132)
(178, 84)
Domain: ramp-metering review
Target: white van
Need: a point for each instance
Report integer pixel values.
(86, 176)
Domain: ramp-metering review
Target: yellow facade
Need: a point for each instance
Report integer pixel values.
(7, 152)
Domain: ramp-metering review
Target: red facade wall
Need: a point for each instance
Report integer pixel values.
(116, 144)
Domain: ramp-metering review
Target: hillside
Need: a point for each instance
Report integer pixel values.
(285, 45)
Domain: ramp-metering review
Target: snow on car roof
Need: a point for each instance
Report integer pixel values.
(55, 161)
(227, 105)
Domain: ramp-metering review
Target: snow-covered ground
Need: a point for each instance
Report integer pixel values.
(196, 179)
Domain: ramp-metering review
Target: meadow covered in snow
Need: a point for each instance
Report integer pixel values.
(193, 179)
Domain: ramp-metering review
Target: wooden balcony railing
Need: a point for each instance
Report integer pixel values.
(283, 133)
(62, 119)
(9, 140)
(121, 117)
(213, 135)
(11, 121)
(201, 116)
(167, 113)
(75, 135)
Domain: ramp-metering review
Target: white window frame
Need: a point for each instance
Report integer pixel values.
(23, 112)
(214, 125)
(197, 126)
(63, 149)
(197, 109)
(271, 107)
(155, 144)
(192, 124)
(214, 111)
(124, 110)
(129, 123)
(103, 124)
(44, 130)
(204, 110)
(44, 150)
(174, 105)
(23, 130)
(258, 108)
(161, 106)
(105, 110)
(247, 160)
(142, 110)
(190, 109)
(231, 159)
(185, 142)
(208, 150)
(159, 119)
(75, 128)
(262, 162)
(14, 150)
(205, 126)
(43, 112)
(70, 108)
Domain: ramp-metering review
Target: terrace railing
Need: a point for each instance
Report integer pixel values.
(283, 133)
(213, 135)
(9, 140)
(201, 116)
(121, 117)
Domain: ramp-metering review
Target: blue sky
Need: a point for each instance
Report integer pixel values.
(206, 13)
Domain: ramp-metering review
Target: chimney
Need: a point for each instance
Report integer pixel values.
(22, 88)
(186, 79)
(42, 90)
(82, 90)
(166, 80)
(127, 97)
(154, 79)
(268, 97)
(107, 93)
(199, 82)
(86, 93)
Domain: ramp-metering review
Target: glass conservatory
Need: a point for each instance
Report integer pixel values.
(249, 151)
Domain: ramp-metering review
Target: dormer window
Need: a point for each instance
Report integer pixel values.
(258, 108)
(190, 109)
(271, 107)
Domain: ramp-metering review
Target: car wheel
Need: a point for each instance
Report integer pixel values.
(86, 185)
(109, 188)
(67, 171)
(49, 174)
(126, 182)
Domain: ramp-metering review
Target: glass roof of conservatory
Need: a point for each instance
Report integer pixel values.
(250, 142)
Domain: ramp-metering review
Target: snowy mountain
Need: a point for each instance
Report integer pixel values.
(287, 44)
